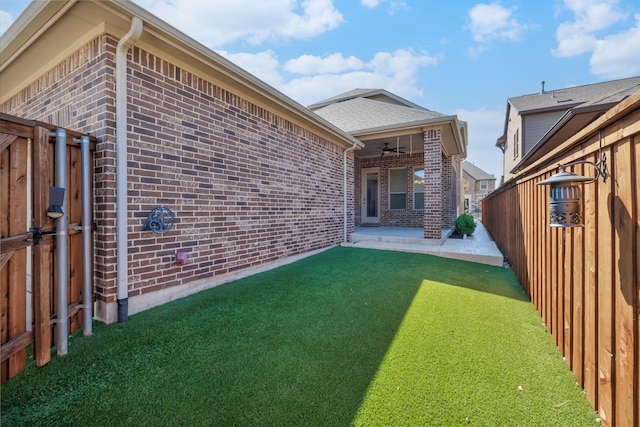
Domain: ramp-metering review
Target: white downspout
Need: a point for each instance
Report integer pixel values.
(344, 185)
(124, 44)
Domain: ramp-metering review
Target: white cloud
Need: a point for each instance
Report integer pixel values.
(395, 6)
(264, 65)
(494, 22)
(308, 79)
(5, 21)
(370, 3)
(485, 127)
(216, 22)
(613, 55)
(590, 16)
(618, 55)
(398, 6)
(477, 50)
(334, 63)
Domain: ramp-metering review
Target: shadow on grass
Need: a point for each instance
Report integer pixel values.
(298, 345)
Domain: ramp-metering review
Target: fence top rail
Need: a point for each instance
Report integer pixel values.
(34, 123)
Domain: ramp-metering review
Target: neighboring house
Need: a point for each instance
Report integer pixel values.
(477, 184)
(537, 123)
(251, 176)
(409, 173)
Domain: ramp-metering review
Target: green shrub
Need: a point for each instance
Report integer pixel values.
(465, 224)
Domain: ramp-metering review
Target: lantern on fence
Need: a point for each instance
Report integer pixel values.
(565, 194)
(56, 200)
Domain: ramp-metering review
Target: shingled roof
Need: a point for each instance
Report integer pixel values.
(610, 92)
(377, 113)
(475, 172)
(363, 109)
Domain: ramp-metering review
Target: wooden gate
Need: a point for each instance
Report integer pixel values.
(28, 243)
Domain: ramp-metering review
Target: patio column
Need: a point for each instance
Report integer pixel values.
(432, 184)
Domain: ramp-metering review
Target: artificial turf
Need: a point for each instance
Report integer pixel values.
(346, 337)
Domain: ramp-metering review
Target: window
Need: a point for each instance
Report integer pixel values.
(516, 143)
(483, 185)
(418, 189)
(397, 189)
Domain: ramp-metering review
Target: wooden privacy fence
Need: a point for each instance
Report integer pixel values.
(584, 280)
(28, 244)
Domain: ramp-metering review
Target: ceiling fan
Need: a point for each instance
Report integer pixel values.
(387, 149)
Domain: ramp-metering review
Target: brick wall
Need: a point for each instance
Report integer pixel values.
(247, 186)
(433, 181)
(450, 190)
(391, 218)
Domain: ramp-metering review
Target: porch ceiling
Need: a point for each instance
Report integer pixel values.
(453, 133)
(412, 143)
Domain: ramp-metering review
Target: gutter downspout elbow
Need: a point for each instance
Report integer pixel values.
(124, 44)
(345, 192)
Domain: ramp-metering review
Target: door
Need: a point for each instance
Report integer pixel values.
(370, 196)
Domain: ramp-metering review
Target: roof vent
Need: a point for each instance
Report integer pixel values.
(542, 90)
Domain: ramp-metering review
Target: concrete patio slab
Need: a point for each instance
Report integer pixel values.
(479, 247)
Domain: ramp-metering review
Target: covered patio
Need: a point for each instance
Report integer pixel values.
(408, 172)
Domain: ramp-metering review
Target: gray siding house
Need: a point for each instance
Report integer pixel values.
(536, 123)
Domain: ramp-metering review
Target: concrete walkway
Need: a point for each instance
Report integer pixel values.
(476, 248)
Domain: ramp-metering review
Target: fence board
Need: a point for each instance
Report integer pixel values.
(577, 321)
(568, 296)
(17, 273)
(16, 186)
(636, 185)
(605, 298)
(585, 281)
(622, 205)
(591, 294)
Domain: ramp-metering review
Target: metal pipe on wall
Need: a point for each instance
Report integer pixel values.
(61, 245)
(87, 283)
(122, 210)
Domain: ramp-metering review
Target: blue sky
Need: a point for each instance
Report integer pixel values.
(456, 57)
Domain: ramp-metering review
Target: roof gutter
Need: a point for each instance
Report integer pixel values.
(124, 44)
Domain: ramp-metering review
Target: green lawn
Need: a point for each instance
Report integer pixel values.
(346, 337)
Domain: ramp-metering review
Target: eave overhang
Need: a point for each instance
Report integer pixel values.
(47, 32)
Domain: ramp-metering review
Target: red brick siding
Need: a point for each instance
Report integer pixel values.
(247, 186)
(475, 194)
(449, 192)
(433, 178)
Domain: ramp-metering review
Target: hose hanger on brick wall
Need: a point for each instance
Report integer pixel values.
(159, 220)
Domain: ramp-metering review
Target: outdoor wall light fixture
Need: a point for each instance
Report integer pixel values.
(56, 200)
(565, 195)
